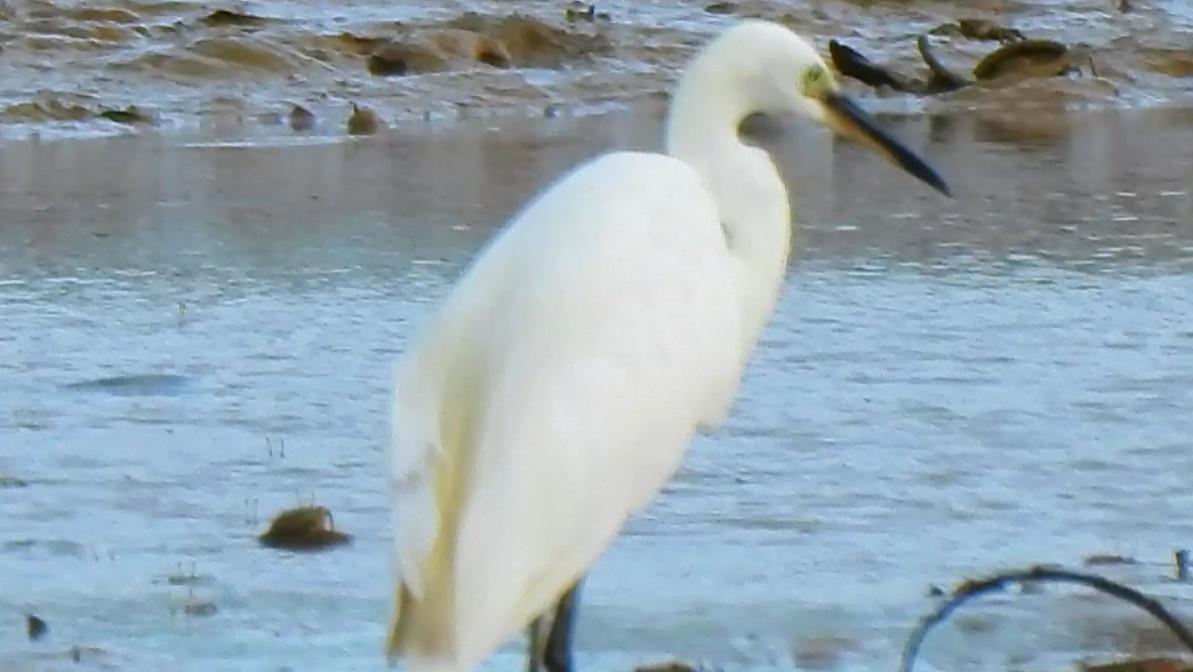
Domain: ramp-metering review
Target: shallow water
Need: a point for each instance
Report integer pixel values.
(184, 67)
(204, 336)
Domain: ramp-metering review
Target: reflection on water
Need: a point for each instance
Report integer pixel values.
(949, 386)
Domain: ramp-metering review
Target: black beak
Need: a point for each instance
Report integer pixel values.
(845, 117)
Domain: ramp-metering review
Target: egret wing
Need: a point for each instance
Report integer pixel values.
(558, 389)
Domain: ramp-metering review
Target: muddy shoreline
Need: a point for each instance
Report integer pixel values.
(136, 66)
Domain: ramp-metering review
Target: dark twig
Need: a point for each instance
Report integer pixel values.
(975, 587)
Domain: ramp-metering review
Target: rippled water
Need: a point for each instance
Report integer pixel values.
(198, 334)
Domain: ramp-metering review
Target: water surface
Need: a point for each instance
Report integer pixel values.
(200, 333)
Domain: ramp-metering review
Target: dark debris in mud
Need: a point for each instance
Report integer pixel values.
(1017, 59)
(1034, 576)
(852, 63)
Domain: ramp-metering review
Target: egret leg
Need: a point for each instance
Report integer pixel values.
(558, 654)
(550, 636)
(537, 635)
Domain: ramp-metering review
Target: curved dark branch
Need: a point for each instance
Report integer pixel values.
(975, 587)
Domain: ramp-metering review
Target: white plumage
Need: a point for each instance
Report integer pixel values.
(555, 391)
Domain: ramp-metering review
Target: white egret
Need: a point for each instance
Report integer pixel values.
(556, 390)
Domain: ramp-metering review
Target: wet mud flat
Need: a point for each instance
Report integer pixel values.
(127, 65)
(204, 337)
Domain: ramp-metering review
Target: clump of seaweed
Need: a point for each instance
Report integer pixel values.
(305, 528)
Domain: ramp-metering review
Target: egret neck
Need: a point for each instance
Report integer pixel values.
(702, 131)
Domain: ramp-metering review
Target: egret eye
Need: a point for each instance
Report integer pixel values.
(815, 81)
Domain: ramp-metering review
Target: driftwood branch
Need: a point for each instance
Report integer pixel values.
(975, 587)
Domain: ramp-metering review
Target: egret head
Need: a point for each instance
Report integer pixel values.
(776, 72)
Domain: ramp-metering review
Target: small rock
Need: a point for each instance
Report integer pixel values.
(362, 121)
(129, 115)
(721, 8)
(301, 119)
(388, 61)
(305, 528)
(35, 628)
(223, 17)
